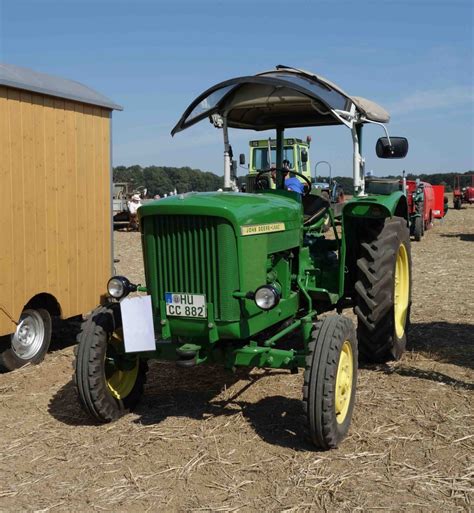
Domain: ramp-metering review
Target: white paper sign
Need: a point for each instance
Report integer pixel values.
(137, 321)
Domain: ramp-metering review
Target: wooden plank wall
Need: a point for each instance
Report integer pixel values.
(55, 218)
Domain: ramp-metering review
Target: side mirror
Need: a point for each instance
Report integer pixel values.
(242, 159)
(304, 156)
(397, 150)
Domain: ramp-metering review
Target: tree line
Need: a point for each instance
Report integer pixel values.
(163, 179)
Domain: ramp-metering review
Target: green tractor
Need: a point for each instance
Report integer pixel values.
(262, 155)
(243, 279)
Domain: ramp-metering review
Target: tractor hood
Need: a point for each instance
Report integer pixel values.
(239, 209)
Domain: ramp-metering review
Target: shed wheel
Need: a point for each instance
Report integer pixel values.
(418, 229)
(109, 382)
(30, 342)
(330, 379)
(383, 291)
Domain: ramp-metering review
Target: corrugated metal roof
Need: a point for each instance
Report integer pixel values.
(30, 80)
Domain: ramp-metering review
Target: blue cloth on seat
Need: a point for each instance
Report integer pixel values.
(293, 184)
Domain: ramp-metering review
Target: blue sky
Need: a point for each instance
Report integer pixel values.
(414, 57)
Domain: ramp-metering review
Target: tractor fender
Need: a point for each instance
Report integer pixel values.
(377, 206)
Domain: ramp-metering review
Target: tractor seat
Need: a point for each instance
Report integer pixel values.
(314, 208)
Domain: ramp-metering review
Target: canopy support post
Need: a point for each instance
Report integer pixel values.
(227, 164)
(280, 178)
(358, 161)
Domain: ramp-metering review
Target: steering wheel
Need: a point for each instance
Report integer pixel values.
(260, 179)
(284, 170)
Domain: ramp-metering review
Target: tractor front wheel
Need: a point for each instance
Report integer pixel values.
(109, 382)
(418, 229)
(383, 291)
(330, 379)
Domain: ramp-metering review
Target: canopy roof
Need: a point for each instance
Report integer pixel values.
(29, 80)
(285, 97)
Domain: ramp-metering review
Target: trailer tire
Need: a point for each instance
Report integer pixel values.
(418, 229)
(108, 383)
(383, 291)
(330, 379)
(30, 342)
(429, 222)
(445, 206)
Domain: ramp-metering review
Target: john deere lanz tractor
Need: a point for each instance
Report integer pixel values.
(242, 279)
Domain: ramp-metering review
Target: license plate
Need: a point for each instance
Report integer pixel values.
(180, 304)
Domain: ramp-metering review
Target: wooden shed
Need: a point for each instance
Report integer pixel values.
(55, 207)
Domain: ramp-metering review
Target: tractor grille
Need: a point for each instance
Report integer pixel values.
(193, 254)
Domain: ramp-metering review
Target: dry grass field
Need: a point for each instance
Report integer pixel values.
(207, 441)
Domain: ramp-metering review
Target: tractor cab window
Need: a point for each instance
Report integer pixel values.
(261, 160)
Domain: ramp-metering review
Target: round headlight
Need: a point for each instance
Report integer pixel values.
(118, 287)
(266, 297)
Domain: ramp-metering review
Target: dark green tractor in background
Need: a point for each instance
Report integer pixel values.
(241, 279)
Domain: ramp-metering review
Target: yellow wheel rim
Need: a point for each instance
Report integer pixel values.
(121, 382)
(401, 292)
(345, 375)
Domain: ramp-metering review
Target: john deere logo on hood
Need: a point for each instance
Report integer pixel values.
(256, 229)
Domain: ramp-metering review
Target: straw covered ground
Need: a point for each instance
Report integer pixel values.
(205, 440)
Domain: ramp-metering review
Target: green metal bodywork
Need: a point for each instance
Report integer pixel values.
(377, 206)
(210, 243)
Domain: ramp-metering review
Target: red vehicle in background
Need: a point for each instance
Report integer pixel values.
(421, 206)
(463, 194)
(440, 202)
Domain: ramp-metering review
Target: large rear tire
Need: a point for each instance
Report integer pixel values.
(109, 382)
(330, 380)
(383, 291)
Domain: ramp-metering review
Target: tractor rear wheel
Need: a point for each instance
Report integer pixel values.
(109, 382)
(418, 229)
(383, 291)
(457, 204)
(330, 379)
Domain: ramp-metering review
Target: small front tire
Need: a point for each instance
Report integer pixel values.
(109, 382)
(330, 380)
(418, 229)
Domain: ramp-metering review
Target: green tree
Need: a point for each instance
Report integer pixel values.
(163, 179)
